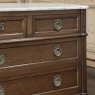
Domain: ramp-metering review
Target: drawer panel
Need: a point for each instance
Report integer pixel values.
(64, 50)
(44, 83)
(56, 24)
(12, 27)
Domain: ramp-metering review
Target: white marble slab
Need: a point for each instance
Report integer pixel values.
(38, 6)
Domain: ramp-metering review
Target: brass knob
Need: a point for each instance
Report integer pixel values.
(57, 80)
(2, 58)
(57, 24)
(2, 91)
(57, 51)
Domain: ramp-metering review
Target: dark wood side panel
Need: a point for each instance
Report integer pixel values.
(83, 40)
(14, 27)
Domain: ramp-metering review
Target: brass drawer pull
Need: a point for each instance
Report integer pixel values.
(2, 91)
(57, 51)
(57, 80)
(57, 24)
(2, 26)
(2, 58)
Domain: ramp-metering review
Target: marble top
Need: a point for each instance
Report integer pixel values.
(38, 6)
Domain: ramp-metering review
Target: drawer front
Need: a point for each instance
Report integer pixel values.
(64, 50)
(56, 24)
(59, 81)
(12, 27)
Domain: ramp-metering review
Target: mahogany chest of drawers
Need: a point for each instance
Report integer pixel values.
(43, 52)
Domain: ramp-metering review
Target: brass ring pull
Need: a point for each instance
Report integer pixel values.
(2, 91)
(2, 26)
(2, 58)
(57, 80)
(57, 24)
(57, 51)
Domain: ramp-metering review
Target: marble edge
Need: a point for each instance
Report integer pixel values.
(42, 8)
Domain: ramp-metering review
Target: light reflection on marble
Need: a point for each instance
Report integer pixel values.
(38, 6)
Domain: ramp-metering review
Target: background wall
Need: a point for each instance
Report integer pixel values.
(11, 1)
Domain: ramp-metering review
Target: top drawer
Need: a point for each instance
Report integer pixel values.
(56, 24)
(12, 27)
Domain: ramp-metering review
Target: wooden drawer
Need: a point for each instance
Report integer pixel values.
(56, 24)
(12, 27)
(65, 49)
(57, 82)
